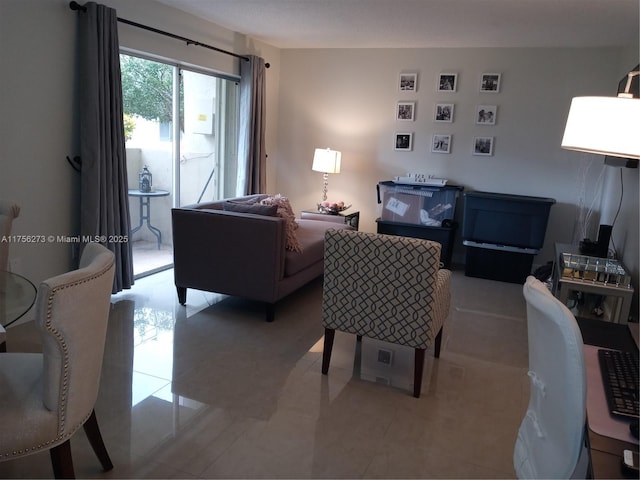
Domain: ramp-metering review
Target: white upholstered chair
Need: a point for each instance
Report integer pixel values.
(385, 287)
(45, 398)
(552, 439)
(8, 211)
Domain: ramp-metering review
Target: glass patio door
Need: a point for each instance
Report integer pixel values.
(199, 167)
(208, 139)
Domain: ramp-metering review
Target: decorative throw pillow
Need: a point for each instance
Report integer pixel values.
(242, 207)
(285, 211)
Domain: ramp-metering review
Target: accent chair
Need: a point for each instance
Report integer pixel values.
(8, 211)
(385, 287)
(45, 398)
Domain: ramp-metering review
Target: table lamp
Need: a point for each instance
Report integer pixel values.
(326, 161)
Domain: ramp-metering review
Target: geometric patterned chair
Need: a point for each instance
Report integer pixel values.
(385, 287)
(46, 397)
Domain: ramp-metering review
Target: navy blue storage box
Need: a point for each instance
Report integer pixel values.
(502, 234)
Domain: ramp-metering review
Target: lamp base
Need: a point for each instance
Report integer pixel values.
(325, 176)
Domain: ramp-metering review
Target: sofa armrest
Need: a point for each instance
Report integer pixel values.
(238, 254)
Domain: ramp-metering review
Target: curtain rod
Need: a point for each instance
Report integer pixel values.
(76, 6)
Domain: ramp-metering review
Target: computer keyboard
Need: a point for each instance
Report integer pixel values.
(620, 376)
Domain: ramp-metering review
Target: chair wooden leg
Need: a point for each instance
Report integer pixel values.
(437, 344)
(61, 461)
(329, 335)
(95, 439)
(417, 372)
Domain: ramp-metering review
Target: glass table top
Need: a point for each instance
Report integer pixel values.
(17, 295)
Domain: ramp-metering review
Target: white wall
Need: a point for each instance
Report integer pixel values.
(345, 99)
(36, 101)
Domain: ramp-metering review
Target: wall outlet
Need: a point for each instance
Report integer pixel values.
(385, 356)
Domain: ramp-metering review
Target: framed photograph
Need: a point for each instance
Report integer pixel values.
(403, 141)
(443, 113)
(483, 146)
(441, 143)
(405, 111)
(447, 82)
(408, 82)
(486, 114)
(490, 83)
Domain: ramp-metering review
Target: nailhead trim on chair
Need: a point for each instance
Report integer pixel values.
(63, 396)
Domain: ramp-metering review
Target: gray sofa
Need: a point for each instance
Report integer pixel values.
(243, 254)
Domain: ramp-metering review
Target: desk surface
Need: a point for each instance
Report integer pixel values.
(606, 452)
(17, 295)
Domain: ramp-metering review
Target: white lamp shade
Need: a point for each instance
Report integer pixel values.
(326, 160)
(604, 126)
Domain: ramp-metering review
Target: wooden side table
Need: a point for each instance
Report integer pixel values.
(352, 219)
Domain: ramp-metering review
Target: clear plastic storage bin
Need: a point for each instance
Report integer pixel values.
(417, 204)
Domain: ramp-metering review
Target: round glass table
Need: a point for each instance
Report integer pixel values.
(17, 295)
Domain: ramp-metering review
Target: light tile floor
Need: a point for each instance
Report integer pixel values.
(211, 390)
(148, 258)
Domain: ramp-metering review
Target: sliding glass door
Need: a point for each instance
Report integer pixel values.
(207, 144)
(181, 128)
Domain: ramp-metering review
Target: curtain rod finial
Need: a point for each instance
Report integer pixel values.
(76, 6)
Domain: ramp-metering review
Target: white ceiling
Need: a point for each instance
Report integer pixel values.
(425, 23)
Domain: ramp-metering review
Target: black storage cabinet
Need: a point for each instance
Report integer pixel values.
(502, 234)
(426, 197)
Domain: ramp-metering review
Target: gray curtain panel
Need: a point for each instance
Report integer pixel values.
(252, 158)
(104, 204)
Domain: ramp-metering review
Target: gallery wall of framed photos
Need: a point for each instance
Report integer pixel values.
(443, 105)
(351, 100)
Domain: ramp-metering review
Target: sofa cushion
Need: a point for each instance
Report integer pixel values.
(311, 237)
(258, 209)
(285, 211)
